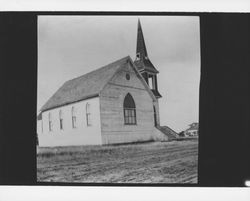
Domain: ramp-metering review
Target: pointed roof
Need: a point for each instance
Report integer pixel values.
(85, 86)
(142, 62)
(141, 47)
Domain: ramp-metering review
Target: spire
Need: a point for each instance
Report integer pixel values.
(143, 63)
(141, 47)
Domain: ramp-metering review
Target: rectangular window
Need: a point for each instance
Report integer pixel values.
(88, 115)
(150, 82)
(61, 119)
(88, 119)
(50, 125)
(50, 122)
(74, 121)
(129, 116)
(73, 112)
(61, 124)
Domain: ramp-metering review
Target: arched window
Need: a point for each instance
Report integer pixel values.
(73, 113)
(129, 110)
(88, 114)
(61, 119)
(50, 122)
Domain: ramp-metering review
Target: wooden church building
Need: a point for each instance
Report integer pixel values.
(117, 103)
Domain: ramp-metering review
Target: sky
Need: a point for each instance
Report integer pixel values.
(70, 46)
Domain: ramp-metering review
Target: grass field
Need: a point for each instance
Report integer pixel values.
(152, 162)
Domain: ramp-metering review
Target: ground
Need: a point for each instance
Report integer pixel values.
(152, 162)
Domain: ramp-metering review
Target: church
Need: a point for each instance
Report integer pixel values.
(117, 103)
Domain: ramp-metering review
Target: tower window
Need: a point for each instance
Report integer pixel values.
(129, 110)
(150, 82)
(137, 55)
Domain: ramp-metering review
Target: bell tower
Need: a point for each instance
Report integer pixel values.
(144, 65)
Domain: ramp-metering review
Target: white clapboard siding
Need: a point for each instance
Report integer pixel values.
(111, 103)
(68, 136)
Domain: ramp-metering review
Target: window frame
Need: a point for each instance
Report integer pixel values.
(61, 120)
(50, 122)
(129, 116)
(129, 113)
(88, 115)
(73, 117)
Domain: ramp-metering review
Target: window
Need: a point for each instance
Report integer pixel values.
(127, 76)
(50, 122)
(61, 119)
(150, 82)
(73, 117)
(88, 118)
(129, 110)
(138, 56)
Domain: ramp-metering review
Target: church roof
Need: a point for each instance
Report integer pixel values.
(85, 86)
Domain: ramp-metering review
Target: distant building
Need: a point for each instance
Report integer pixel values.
(193, 130)
(182, 134)
(117, 103)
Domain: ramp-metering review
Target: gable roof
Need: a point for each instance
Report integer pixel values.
(85, 86)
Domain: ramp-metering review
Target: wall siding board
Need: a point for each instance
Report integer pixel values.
(111, 105)
(81, 135)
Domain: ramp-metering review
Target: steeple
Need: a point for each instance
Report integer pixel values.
(141, 47)
(143, 64)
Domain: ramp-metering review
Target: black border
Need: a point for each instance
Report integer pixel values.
(224, 98)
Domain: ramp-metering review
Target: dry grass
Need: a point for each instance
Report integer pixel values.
(152, 162)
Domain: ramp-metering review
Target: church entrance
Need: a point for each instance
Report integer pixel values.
(155, 116)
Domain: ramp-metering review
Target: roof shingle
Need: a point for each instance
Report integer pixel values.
(85, 86)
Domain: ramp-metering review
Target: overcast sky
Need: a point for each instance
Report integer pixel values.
(70, 46)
